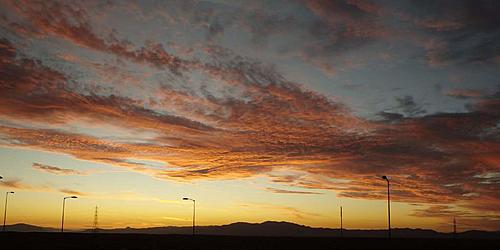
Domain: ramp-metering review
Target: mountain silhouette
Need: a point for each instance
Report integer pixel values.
(273, 228)
(22, 227)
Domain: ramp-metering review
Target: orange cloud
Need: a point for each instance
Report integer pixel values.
(15, 183)
(261, 123)
(464, 93)
(70, 22)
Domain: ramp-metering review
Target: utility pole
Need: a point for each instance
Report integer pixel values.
(94, 229)
(388, 206)
(341, 227)
(454, 227)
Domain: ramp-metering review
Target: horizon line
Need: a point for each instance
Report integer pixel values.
(255, 223)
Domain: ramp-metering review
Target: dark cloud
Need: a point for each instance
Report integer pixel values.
(214, 29)
(388, 116)
(409, 107)
(478, 15)
(406, 107)
(340, 27)
(467, 28)
(463, 31)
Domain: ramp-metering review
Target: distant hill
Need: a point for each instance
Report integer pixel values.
(21, 227)
(272, 228)
(268, 228)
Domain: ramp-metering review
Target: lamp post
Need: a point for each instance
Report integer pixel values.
(64, 204)
(388, 205)
(194, 210)
(5, 209)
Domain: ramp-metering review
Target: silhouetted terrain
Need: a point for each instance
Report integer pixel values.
(81, 241)
(21, 227)
(276, 229)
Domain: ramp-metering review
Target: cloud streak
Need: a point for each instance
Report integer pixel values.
(284, 191)
(71, 192)
(56, 170)
(466, 220)
(16, 184)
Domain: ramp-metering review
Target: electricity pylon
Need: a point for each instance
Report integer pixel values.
(94, 229)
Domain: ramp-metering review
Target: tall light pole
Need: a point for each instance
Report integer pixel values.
(388, 205)
(64, 204)
(5, 209)
(194, 210)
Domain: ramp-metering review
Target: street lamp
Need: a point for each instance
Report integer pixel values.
(388, 205)
(194, 210)
(5, 209)
(64, 204)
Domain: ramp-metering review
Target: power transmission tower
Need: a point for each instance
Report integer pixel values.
(94, 229)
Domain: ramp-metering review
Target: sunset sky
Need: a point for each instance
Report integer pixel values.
(260, 110)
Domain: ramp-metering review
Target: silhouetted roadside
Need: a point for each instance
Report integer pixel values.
(74, 241)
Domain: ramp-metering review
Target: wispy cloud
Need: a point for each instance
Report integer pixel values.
(174, 219)
(19, 184)
(16, 184)
(71, 192)
(292, 211)
(284, 191)
(466, 220)
(56, 170)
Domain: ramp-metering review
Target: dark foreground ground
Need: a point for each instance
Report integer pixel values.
(55, 241)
